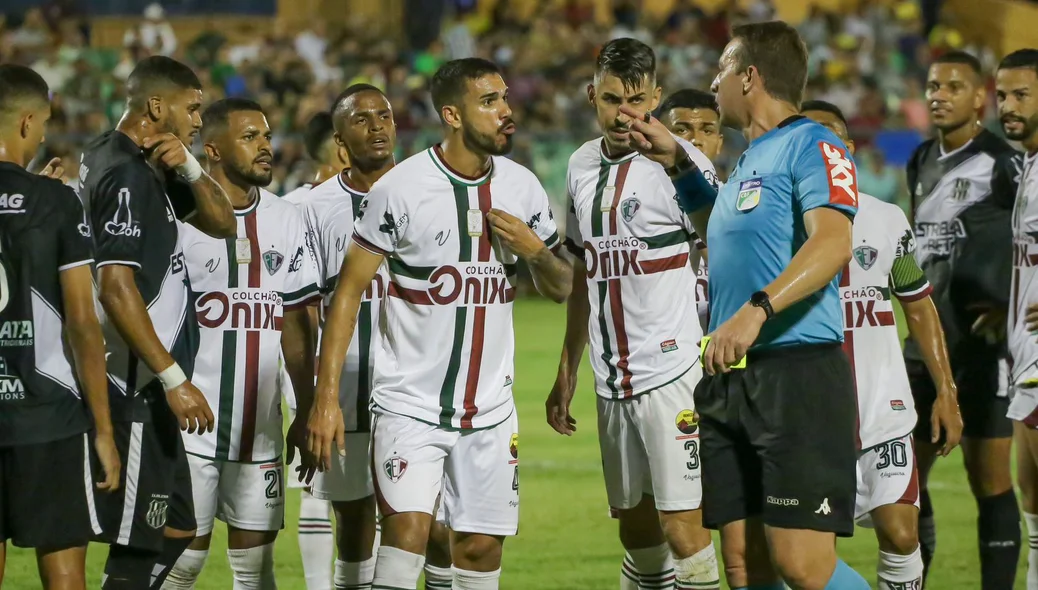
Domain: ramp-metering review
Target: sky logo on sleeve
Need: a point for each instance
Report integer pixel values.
(843, 184)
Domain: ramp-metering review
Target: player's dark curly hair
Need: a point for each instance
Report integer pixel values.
(630, 60)
(216, 115)
(448, 83)
(156, 74)
(1019, 59)
(20, 86)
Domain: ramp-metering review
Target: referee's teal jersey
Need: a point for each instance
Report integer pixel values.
(757, 227)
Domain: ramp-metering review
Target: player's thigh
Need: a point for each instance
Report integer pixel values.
(349, 478)
(669, 432)
(745, 554)
(65, 568)
(984, 399)
(730, 467)
(407, 462)
(887, 474)
(806, 437)
(1026, 438)
(625, 466)
(481, 481)
(205, 490)
(988, 465)
(48, 496)
(252, 495)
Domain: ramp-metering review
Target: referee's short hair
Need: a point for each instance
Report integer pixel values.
(780, 56)
(20, 87)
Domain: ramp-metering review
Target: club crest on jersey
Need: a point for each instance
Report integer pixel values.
(866, 256)
(156, 516)
(687, 422)
(749, 194)
(272, 259)
(395, 467)
(961, 190)
(629, 209)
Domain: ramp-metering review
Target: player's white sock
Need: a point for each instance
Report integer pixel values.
(628, 574)
(900, 571)
(354, 575)
(253, 569)
(397, 569)
(655, 567)
(698, 571)
(1032, 553)
(438, 578)
(469, 580)
(315, 541)
(185, 573)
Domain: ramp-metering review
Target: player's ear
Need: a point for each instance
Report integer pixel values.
(344, 156)
(750, 78)
(211, 153)
(591, 94)
(451, 116)
(25, 126)
(155, 108)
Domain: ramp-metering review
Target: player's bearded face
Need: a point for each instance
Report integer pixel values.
(952, 96)
(608, 94)
(184, 115)
(250, 154)
(1017, 92)
(486, 122)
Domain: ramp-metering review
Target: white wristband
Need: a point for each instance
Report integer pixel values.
(172, 377)
(190, 170)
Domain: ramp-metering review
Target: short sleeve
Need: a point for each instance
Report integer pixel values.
(542, 220)
(302, 282)
(378, 227)
(824, 175)
(180, 196)
(574, 242)
(118, 206)
(1005, 178)
(75, 246)
(908, 282)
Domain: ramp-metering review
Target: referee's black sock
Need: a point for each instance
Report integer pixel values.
(128, 568)
(998, 532)
(172, 549)
(927, 531)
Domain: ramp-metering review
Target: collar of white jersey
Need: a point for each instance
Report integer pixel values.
(453, 175)
(253, 206)
(346, 185)
(607, 160)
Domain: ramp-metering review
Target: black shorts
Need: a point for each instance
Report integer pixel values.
(983, 400)
(155, 484)
(777, 440)
(47, 496)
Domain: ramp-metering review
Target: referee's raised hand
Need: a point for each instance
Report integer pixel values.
(189, 406)
(651, 139)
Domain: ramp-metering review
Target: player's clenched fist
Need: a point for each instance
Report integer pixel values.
(515, 234)
(326, 428)
(108, 455)
(189, 406)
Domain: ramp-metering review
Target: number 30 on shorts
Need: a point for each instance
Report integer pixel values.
(893, 453)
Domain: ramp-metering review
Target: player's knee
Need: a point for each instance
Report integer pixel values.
(803, 569)
(438, 550)
(65, 577)
(899, 538)
(476, 552)
(684, 532)
(187, 569)
(128, 568)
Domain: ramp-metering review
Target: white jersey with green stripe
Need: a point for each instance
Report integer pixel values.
(447, 349)
(624, 222)
(882, 263)
(241, 287)
(330, 210)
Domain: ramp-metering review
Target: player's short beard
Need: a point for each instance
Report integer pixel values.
(253, 178)
(483, 143)
(1030, 127)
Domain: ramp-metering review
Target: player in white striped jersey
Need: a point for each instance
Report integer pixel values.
(1016, 89)
(251, 294)
(634, 294)
(883, 264)
(451, 222)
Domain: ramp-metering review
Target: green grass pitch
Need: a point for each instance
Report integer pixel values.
(566, 540)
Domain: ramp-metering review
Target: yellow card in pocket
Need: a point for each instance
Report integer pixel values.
(702, 354)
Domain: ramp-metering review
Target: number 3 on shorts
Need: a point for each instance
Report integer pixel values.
(693, 455)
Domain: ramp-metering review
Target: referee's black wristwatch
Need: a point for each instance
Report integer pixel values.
(760, 299)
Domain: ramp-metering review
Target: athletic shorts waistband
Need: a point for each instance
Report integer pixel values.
(793, 351)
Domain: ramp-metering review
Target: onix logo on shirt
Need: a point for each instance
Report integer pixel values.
(843, 186)
(241, 309)
(859, 308)
(479, 283)
(613, 257)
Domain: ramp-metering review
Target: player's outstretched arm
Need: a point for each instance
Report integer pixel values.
(578, 310)
(924, 325)
(325, 424)
(552, 275)
(84, 335)
(213, 214)
(297, 349)
(124, 306)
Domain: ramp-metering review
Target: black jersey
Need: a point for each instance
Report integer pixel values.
(134, 212)
(42, 232)
(963, 203)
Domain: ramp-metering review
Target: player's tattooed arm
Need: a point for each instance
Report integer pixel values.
(578, 310)
(325, 425)
(122, 302)
(924, 326)
(298, 351)
(83, 331)
(213, 213)
(552, 275)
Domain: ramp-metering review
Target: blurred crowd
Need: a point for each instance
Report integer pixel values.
(871, 62)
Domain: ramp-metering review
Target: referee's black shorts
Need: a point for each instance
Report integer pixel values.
(155, 487)
(777, 440)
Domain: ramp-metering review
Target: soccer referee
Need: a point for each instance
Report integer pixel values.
(777, 436)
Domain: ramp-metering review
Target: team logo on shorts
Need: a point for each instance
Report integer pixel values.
(687, 422)
(272, 259)
(513, 445)
(866, 256)
(395, 467)
(897, 405)
(629, 208)
(156, 516)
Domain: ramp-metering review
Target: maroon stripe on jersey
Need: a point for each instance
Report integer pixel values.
(409, 295)
(911, 495)
(252, 345)
(616, 309)
(662, 264)
(848, 349)
(509, 294)
(479, 317)
(916, 297)
(255, 264)
(885, 318)
(618, 184)
(368, 245)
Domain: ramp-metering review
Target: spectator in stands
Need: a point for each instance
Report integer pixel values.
(155, 34)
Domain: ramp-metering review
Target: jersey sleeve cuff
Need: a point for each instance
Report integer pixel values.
(552, 241)
(75, 264)
(119, 262)
(304, 297)
(909, 295)
(363, 243)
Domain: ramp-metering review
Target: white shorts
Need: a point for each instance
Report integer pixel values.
(350, 476)
(1023, 405)
(477, 471)
(248, 496)
(650, 446)
(887, 474)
